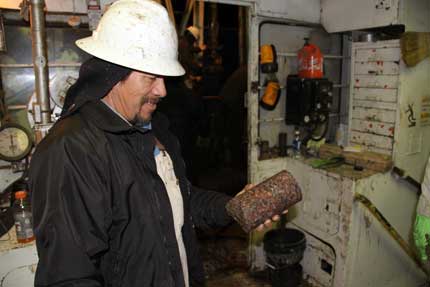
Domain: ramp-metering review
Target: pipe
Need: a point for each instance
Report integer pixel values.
(171, 11)
(202, 22)
(54, 65)
(40, 59)
(241, 34)
(291, 54)
(199, 19)
(213, 26)
(186, 16)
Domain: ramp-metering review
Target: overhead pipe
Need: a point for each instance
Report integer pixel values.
(186, 16)
(213, 26)
(241, 34)
(40, 59)
(199, 19)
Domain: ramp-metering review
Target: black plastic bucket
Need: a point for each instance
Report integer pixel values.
(284, 250)
(290, 276)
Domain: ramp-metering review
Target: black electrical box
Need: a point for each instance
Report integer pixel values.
(308, 100)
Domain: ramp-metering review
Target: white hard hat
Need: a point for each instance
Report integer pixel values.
(194, 31)
(137, 34)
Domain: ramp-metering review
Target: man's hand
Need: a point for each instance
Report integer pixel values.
(269, 221)
(246, 188)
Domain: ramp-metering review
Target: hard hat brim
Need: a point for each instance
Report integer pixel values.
(152, 65)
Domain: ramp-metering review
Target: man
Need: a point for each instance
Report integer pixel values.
(111, 203)
(188, 50)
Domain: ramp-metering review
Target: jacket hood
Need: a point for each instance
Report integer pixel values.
(96, 78)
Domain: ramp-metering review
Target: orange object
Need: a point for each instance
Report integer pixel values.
(267, 54)
(21, 194)
(26, 240)
(271, 95)
(268, 59)
(310, 61)
(23, 218)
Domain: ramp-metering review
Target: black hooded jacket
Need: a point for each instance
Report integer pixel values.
(102, 216)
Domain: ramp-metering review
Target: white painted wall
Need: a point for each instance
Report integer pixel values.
(298, 10)
(347, 15)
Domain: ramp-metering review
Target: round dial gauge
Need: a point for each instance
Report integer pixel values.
(15, 142)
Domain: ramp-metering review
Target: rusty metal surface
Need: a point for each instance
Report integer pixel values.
(269, 198)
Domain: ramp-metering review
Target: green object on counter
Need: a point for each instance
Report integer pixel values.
(422, 236)
(326, 163)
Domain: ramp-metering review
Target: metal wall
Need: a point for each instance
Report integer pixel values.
(413, 14)
(288, 39)
(306, 11)
(17, 74)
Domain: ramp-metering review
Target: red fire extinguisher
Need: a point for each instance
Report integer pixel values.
(310, 61)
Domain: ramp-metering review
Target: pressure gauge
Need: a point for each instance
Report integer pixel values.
(15, 142)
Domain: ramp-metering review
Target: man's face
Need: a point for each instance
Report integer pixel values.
(140, 93)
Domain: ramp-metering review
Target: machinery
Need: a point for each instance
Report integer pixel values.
(308, 104)
(371, 90)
